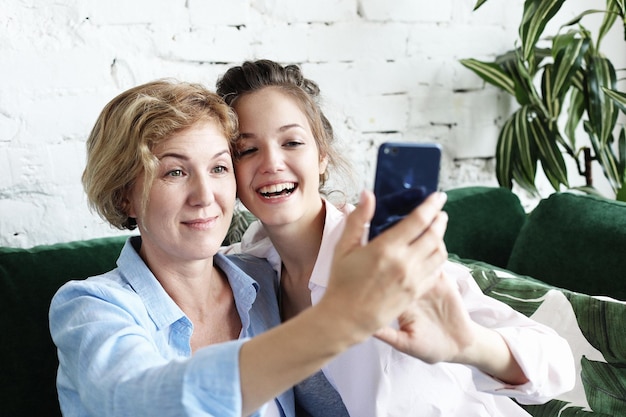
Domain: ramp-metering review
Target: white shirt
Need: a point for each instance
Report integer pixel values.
(374, 379)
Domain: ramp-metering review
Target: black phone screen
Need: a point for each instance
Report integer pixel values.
(406, 173)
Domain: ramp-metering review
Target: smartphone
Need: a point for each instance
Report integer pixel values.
(406, 173)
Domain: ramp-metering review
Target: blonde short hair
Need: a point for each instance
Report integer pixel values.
(119, 148)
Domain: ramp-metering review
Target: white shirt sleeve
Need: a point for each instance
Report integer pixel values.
(544, 356)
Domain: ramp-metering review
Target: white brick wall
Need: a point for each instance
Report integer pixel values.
(388, 70)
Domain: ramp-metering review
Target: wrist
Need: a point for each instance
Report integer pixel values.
(337, 325)
(491, 354)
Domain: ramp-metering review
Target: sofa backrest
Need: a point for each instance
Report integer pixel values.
(28, 280)
(483, 223)
(576, 242)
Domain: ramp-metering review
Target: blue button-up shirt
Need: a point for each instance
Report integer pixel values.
(124, 345)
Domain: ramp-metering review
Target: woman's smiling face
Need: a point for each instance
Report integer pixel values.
(278, 165)
(191, 199)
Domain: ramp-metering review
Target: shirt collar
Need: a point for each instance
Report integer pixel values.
(334, 224)
(160, 306)
(244, 287)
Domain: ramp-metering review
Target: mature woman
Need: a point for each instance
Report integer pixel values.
(169, 332)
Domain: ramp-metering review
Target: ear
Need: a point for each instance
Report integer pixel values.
(323, 164)
(127, 203)
(129, 209)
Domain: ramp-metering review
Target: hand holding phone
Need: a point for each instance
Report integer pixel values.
(406, 173)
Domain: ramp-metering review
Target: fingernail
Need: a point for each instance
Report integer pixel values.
(362, 197)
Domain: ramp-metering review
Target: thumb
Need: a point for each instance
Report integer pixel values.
(357, 222)
(389, 335)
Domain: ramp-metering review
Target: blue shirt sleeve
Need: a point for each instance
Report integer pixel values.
(114, 360)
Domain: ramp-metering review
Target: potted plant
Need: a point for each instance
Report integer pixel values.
(559, 82)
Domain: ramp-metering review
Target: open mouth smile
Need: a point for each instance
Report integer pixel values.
(277, 190)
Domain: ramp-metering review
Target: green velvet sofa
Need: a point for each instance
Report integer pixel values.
(562, 264)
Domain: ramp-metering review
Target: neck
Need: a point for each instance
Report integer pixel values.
(298, 243)
(187, 282)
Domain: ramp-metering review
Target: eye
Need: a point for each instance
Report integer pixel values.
(243, 151)
(175, 173)
(292, 143)
(220, 169)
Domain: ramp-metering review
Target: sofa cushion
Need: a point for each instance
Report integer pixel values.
(593, 326)
(576, 242)
(483, 223)
(28, 280)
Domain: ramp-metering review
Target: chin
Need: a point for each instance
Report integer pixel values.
(278, 219)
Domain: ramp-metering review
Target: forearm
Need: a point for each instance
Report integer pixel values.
(490, 354)
(280, 358)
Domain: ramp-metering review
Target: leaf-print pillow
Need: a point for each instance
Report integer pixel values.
(595, 328)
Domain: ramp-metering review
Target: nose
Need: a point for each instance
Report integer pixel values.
(272, 160)
(201, 191)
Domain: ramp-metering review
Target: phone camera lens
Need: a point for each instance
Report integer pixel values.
(392, 151)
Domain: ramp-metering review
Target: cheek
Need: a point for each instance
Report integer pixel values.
(227, 190)
(133, 201)
(243, 173)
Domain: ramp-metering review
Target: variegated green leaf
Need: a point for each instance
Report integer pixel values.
(551, 100)
(578, 80)
(568, 51)
(525, 179)
(525, 119)
(575, 112)
(605, 156)
(504, 154)
(608, 20)
(621, 164)
(621, 154)
(619, 6)
(536, 15)
(576, 20)
(479, 3)
(491, 73)
(539, 55)
(516, 152)
(618, 97)
(549, 153)
(588, 190)
(522, 81)
(602, 110)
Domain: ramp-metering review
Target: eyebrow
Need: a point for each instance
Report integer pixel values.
(281, 129)
(186, 158)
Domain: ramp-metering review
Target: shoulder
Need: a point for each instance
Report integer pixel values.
(255, 270)
(250, 264)
(95, 300)
(105, 286)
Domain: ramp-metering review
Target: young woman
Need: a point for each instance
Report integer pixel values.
(474, 355)
(169, 332)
